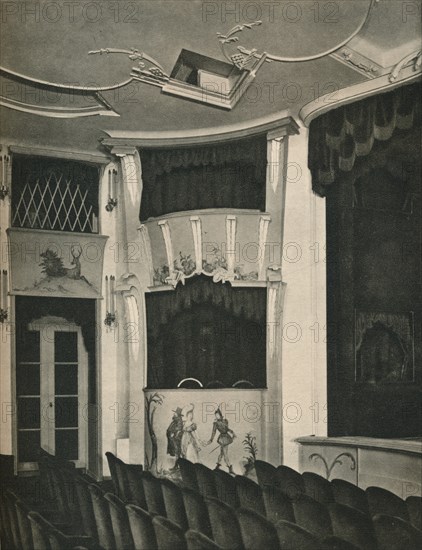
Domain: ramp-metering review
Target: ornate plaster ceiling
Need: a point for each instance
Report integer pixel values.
(51, 43)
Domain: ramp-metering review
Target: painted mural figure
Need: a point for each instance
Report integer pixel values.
(174, 435)
(190, 445)
(225, 439)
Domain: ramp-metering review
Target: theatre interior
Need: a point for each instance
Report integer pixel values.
(210, 283)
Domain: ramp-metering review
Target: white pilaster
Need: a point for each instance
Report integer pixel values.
(8, 407)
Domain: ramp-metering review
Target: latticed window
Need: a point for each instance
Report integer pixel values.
(54, 194)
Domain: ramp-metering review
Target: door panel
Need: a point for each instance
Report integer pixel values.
(51, 382)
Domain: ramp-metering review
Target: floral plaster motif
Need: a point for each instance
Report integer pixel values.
(214, 266)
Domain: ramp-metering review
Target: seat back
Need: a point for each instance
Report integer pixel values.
(292, 536)
(257, 532)
(205, 481)
(187, 471)
(224, 524)
(266, 473)
(173, 502)
(120, 523)
(349, 494)
(318, 488)
(11, 500)
(135, 487)
(277, 504)
(290, 482)
(337, 543)
(382, 501)
(22, 511)
(102, 518)
(153, 494)
(122, 480)
(414, 509)
(111, 460)
(353, 526)
(141, 527)
(196, 511)
(249, 495)
(393, 533)
(85, 505)
(197, 541)
(226, 488)
(312, 516)
(41, 529)
(169, 536)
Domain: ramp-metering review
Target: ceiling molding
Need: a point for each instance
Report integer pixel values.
(55, 153)
(282, 121)
(357, 92)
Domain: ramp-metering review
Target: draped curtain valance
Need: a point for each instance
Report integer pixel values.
(337, 138)
(230, 175)
(156, 162)
(162, 307)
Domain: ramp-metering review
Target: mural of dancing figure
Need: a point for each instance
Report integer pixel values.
(191, 444)
(174, 435)
(225, 439)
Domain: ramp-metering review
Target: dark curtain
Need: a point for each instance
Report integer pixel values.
(221, 176)
(339, 137)
(208, 331)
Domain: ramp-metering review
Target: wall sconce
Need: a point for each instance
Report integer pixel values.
(5, 176)
(112, 200)
(3, 296)
(110, 295)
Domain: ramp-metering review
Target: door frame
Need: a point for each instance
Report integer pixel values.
(46, 326)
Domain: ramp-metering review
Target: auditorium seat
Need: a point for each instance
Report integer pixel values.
(353, 526)
(266, 473)
(46, 537)
(111, 461)
(249, 495)
(349, 494)
(312, 516)
(224, 524)
(196, 511)
(414, 509)
(141, 527)
(24, 524)
(198, 541)
(119, 522)
(382, 501)
(122, 480)
(102, 518)
(174, 505)
(292, 536)
(290, 482)
(337, 543)
(187, 471)
(136, 487)
(205, 481)
(257, 532)
(226, 488)
(318, 487)
(14, 532)
(87, 511)
(153, 494)
(393, 533)
(277, 505)
(169, 536)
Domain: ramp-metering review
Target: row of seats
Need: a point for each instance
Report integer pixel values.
(208, 495)
(372, 501)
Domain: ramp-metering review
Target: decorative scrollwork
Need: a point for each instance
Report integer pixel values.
(416, 56)
(243, 57)
(329, 468)
(153, 73)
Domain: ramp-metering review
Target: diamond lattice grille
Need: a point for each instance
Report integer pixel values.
(53, 201)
